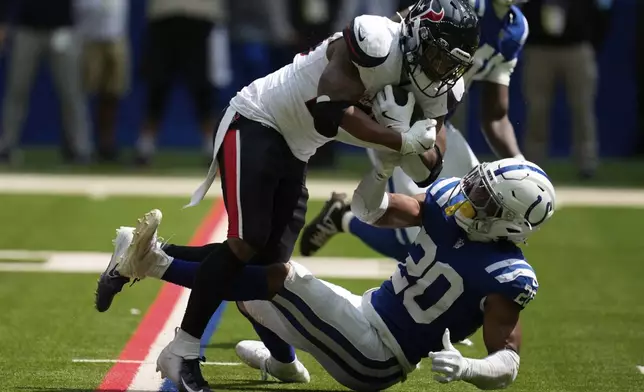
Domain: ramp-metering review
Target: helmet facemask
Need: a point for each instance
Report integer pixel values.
(481, 210)
(430, 64)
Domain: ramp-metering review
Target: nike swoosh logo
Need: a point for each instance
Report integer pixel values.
(188, 388)
(384, 114)
(360, 36)
(424, 146)
(112, 273)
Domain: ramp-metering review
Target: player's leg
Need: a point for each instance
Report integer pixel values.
(270, 354)
(339, 337)
(288, 219)
(253, 159)
(459, 158)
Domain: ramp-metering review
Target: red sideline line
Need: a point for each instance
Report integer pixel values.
(121, 375)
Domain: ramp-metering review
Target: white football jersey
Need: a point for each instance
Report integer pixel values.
(280, 100)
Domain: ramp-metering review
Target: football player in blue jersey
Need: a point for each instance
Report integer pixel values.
(464, 271)
(504, 31)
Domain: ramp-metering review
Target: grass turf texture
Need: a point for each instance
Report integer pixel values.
(625, 172)
(583, 332)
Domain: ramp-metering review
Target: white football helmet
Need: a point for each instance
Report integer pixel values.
(507, 199)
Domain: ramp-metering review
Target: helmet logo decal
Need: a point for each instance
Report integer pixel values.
(431, 13)
(532, 206)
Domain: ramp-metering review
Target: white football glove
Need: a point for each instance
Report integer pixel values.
(448, 363)
(388, 113)
(419, 138)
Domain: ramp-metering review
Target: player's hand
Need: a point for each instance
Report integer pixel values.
(449, 364)
(388, 113)
(419, 138)
(385, 162)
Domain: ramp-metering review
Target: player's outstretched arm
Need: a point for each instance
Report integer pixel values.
(502, 337)
(372, 204)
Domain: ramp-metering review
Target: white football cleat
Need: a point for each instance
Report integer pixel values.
(144, 251)
(184, 372)
(255, 354)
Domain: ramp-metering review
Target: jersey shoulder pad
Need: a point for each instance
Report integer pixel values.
(514, 35)
(515, 279)
(369, 40)
(436, 217)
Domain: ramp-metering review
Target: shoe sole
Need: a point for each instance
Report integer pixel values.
(123, 235)
(311, 228)
(143, 234)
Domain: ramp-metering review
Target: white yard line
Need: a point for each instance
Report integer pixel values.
(640, 368)
(95, 262)
(100, 186)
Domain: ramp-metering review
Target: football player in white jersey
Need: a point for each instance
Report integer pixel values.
(504, 30)
(275, 124)
(463, 272)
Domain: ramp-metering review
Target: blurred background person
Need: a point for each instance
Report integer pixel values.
(178, 45)
(43, 29)
(564, 38)
(257, 26)
(106, 65)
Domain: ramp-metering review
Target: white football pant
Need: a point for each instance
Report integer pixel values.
(331, 323)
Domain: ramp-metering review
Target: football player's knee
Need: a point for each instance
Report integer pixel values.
(243, 250)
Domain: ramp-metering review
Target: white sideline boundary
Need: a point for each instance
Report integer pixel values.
(102, 186)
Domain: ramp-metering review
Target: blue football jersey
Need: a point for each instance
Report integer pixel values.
(446, 278)
(501, 42)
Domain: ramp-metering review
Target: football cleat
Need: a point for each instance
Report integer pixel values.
(325, 225)
(111, 282)
(255, 354)
(184, 372)
(144, 251)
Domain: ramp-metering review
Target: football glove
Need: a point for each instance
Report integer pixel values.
(389, 113)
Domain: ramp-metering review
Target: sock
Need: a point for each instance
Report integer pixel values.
(251, 284)
(280, 350)
(190, 253)
(185, 345)
(381, 240)
(181, 272)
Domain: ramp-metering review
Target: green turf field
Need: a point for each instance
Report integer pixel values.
(583, 332)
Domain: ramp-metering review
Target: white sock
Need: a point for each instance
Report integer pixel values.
(519, 157)
(159, 269)
(346, 219)
(185, 345)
